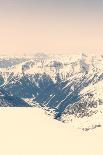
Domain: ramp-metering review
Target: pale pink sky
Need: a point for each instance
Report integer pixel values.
(31, 27)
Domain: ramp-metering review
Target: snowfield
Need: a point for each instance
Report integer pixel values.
(28, 131)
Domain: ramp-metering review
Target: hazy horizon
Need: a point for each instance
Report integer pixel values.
(55, 26)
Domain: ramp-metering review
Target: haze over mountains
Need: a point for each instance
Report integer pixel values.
(68, 87)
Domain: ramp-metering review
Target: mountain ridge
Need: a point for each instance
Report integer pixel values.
(56, 82)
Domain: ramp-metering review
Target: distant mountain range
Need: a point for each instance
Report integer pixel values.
(71, 86)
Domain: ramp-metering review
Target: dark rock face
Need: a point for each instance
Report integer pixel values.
(1, 80)
(7, 100)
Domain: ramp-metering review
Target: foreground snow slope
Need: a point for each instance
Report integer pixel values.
(29, 131)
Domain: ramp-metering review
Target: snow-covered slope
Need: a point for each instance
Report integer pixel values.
(25, 131)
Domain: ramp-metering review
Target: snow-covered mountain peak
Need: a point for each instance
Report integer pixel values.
(67, 86)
